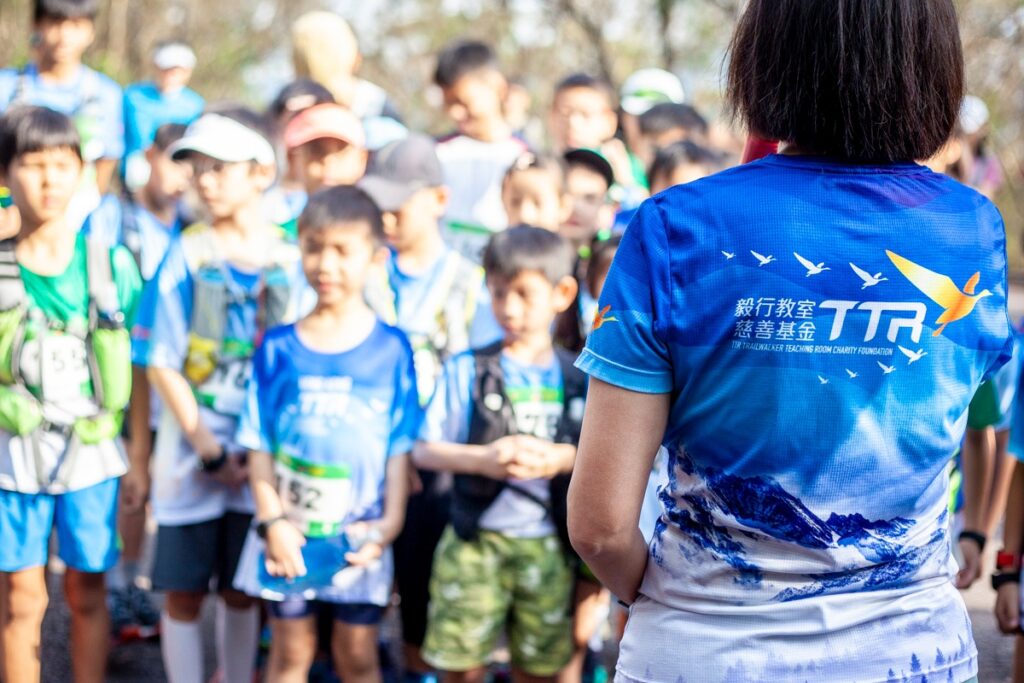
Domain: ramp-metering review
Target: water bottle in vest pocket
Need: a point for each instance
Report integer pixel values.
(20, 413)
(111, 346)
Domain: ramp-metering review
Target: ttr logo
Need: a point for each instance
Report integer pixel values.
(899, 313)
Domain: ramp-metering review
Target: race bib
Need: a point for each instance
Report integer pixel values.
(58, 366)
(317, 498)
(538, 410)
(224, 391)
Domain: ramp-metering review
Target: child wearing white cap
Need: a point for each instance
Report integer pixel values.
(151, 104)
(220, 287)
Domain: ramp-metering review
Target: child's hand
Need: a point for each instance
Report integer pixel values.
(972, 564)
(135, 489)
(371, 545)
(1008, 608)
(537, 459)
(284, 550)
(500, 456)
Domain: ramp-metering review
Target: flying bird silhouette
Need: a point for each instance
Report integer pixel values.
(869, 279)
(886, 369)
(914, 356)
(762, 260)
(942, 290)
(812, 269)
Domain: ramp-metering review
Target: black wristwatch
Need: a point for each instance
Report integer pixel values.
(1000, 579)
(975, 536)
(214, 464)
(264, 526)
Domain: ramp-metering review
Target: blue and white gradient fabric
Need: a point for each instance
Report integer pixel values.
(355, 409)
(821, 329)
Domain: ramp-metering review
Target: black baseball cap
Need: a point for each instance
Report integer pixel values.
(593, 160)
(398, 171)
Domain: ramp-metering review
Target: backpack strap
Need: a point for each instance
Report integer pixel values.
(103, 297)
(12, 289)
(131, 233)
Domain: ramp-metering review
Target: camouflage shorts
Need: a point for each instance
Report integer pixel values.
(480, 588)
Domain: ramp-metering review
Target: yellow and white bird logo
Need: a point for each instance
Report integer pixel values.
(942, 290)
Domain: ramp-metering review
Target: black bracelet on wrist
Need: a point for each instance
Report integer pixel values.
(975, 536)
(263, 527)
(1001, 579)
(214, 464)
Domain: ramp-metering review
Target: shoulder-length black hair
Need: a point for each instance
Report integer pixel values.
(25, 129)
(866, 80)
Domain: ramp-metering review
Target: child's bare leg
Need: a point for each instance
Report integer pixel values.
(588, 598)
(22, 607)
(354, 647)
(1018, 660)
(292, 649)
(90, 624)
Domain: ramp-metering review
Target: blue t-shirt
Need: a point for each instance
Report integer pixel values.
(342, 414)
(537, 397)
(153, 237)
(92, 99)
(146, 109)
(795, 310)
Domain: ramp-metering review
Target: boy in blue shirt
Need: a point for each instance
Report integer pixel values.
(219, 288)
(65, 300)
(144, 222)
(437, 297)
(62, 30)
(151, 104)
(505, 421)
(330, 417)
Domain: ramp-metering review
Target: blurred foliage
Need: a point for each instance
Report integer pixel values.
(243, 51)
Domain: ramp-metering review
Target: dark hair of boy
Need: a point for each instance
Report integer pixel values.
(342, 205)
(672, 156)
(569, 326)
(298, 96)
(592, 161)
(28, 129)
(65, 9)
(524, 249)
(167, 134)
(582, 80)
(667, 116)
(243, 115)
(892, 93)
(463, 58)
(538, 162)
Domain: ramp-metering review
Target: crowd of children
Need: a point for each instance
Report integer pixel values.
(350, 359)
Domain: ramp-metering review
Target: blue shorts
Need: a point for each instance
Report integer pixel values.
(86, 523)
(357, 614)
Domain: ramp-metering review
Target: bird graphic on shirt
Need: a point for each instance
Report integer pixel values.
(914, 356)
(811, 268)
(728, 256)
(822, 380)
(869, 279)
(762, 260)
(600, 318)
(852, 374)
(942, 290)
(886, 369)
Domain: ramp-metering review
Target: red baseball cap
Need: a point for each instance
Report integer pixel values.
(324, 121)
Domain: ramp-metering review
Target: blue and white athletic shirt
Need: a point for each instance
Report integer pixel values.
(344, 412)
(821, 329)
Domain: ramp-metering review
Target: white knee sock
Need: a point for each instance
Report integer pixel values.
(181, 643)
(238, 633)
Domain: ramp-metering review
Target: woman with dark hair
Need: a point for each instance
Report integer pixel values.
(802, 335)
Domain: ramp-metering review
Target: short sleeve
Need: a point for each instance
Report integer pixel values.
(405, 414)
(448, 413)
(8, 82)
(625, 347)
(255, 428)
(172, 311)
(132, 134)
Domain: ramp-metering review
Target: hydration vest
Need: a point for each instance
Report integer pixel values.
(492, 419)
(450, 305)
(211, 356)
(105, 342)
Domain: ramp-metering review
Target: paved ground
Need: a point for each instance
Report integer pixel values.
(140, 663)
